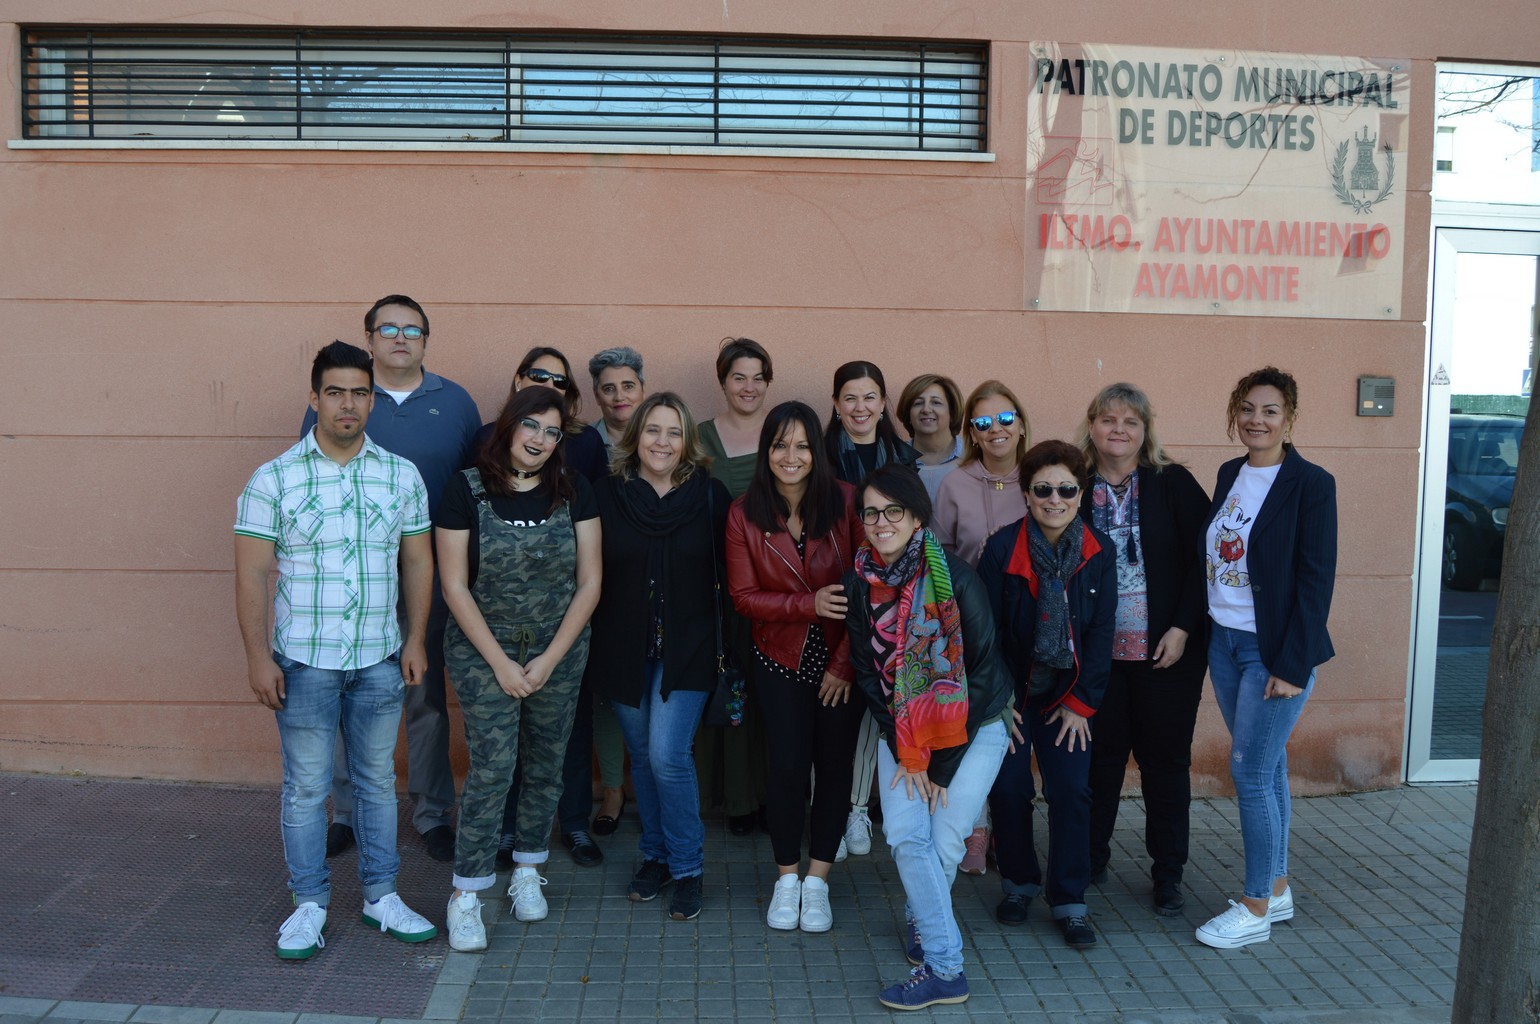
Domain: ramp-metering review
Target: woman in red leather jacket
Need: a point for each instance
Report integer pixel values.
(790, 538)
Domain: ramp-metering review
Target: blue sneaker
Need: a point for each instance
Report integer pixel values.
(913, 951)
(924, 989)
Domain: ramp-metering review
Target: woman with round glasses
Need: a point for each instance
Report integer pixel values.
(1052, 580)
(584, 451)
(923, 647)
(983, 493)
(664, 523)
(790, 538)
(860, 438)
(731, 759)
(518, 544)
(1153, 511)
(1271, 550)
(931, 409)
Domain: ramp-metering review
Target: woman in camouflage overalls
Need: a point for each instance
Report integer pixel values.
(519, 555)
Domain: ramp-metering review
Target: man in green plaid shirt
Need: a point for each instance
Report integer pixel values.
(346, 523)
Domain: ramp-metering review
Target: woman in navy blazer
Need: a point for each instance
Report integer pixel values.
(1271, 560)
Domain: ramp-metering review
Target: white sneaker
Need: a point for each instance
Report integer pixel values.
(858, 832)
(816, 915)
(299, 938)
(1236, 927)
(528, 902)
(396, 919)
(1281, 908)
(785, 904)
(466, 932)
(842, 854)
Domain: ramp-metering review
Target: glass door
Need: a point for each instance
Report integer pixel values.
(1481, 357)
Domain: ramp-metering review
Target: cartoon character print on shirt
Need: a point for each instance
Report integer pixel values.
(1229, 547)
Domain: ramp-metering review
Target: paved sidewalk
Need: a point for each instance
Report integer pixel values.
(157, 903)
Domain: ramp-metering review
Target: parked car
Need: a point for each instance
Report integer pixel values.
(1483, 461)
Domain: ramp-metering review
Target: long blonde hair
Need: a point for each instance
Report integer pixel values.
(1150, 453)
(624, 461)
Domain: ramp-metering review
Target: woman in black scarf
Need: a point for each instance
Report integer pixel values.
(654, 631)
(1052, 579)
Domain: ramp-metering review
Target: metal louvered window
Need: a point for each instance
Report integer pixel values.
(499, 89)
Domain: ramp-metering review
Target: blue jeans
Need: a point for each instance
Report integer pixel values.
(1259, 759)
(661, 738)
(1067, 788)
(366, 703)
(927, 847)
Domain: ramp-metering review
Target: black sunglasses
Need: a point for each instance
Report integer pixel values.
(547, 377)
(1045, 491)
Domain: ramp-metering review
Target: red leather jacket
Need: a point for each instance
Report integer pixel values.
(774, 589)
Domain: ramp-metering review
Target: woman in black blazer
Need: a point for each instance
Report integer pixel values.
(1154, 512)
(1271, 559)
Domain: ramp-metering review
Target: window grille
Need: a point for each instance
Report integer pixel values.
(499, 89)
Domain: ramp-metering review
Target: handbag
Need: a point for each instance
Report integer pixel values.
(727, 697)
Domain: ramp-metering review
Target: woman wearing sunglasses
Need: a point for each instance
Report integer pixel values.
(977, 498)
(1052, 580)
(923, 647)
(859, 438)
(790, 538)
(1154, 512)
(585, 452)
(518, 544)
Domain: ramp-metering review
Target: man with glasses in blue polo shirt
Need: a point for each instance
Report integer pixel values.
(346, 525)
(432, 422)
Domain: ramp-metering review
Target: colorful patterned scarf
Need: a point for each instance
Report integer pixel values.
(919, 645)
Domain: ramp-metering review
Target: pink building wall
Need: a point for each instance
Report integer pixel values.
(162, 306)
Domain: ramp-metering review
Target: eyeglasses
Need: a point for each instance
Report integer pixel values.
(410, 333)
(539, 376)
(892, 513)
(551, 434)
(1045, 491)
(983, 423)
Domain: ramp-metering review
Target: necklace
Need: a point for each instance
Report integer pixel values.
(519, 474)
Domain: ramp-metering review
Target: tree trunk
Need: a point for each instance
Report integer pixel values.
(1499, 978)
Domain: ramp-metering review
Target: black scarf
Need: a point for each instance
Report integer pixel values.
(1054, 646)
(657, 517)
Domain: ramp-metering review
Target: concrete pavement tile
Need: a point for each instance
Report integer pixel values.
(17, 1006)
(182, 1015)
(332, 1018)
(253, 1017)
(92, 1011)
(444, 1004)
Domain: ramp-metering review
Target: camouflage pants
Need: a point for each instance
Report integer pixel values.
(498, 728)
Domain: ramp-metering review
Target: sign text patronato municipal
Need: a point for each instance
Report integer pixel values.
(1248, 184)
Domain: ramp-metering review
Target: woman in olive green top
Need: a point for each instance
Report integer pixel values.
(730, 762)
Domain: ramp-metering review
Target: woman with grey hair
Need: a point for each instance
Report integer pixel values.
(618, 388)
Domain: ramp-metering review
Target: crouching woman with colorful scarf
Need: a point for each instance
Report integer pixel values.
(922, 644)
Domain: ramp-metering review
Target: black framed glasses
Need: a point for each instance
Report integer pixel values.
(551, 434)
(411, 332)
(892, 513)
(555, 380)
(983, 423)
(1043, 492)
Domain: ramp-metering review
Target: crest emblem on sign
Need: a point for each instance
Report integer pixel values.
(1363, 187)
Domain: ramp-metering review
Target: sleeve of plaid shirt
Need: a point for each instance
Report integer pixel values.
(417, 520)
(257, 511)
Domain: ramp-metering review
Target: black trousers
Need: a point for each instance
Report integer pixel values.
(1150, 713)
(802, 736)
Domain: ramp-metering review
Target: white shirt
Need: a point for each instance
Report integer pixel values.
(1225, 544)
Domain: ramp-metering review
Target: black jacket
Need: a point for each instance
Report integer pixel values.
(989, 685)
(1173, 512)
(1005, 568)
(1291, 557)
(617, 658)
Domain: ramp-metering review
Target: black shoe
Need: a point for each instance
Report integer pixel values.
(338, 838)
(686, 904)
(440, 841)
(1013, 909)
(649, 878)
(504, 852)
(585, 852)
(1078, 933)
(741, 824)
(1098, 873)
(604, 824)
(1169, 899)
